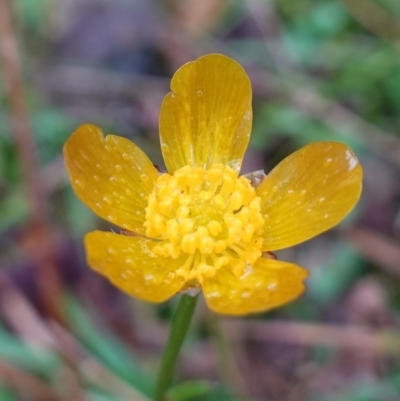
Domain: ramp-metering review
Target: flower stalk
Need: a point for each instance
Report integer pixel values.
(179, 328)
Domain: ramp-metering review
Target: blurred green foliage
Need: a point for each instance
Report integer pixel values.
(324, 50)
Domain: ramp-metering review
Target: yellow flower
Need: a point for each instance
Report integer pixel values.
(200, 224)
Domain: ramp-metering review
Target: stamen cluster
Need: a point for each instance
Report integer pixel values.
(212, 216)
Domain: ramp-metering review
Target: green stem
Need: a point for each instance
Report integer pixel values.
(179, 327)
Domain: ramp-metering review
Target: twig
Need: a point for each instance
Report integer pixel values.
(375, 18)
(383, 251)
(228, 358)
(333, 114)
(21, 317)
(38, 226)
(25, 322)
(18, 113)
(89, 370)
(263, 13)
(26, 383)
(354, 337)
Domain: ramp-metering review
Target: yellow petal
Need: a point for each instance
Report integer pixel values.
(128, 263)
(207, 117)
(269, 284)
(309, 192)
(111, 175)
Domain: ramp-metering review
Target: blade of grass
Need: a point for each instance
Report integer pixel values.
(107, 348)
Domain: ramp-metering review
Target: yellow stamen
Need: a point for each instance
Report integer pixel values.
(211, 215)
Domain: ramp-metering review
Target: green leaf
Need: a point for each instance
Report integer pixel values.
(274, 120)
(13, 211)
(97, 395)
(107, 348)
(7, 394)
(189, 390)
(327, 282)
(79, 217)
(32, 13)
(51, 129)
(38, 361)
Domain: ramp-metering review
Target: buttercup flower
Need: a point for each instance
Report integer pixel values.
(201, 224)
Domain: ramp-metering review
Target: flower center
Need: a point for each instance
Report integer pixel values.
(212, 216)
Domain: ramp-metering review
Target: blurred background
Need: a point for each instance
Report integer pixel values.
(321, 70)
